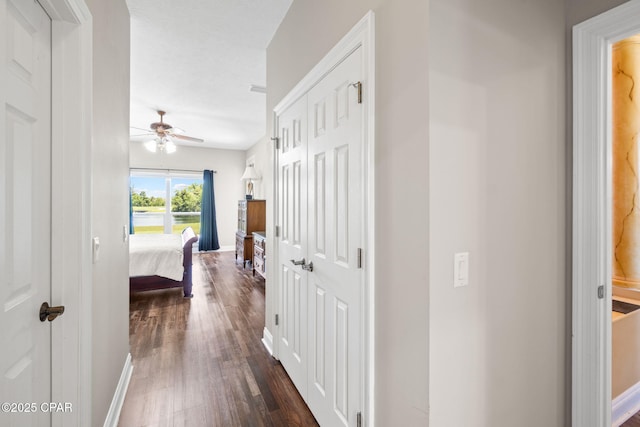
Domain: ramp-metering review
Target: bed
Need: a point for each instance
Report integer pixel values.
(161, 261)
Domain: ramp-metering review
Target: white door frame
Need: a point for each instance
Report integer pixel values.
(591, 321)
(361, 35)
(72, 86)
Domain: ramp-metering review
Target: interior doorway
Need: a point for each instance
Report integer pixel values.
(625, 229)
(592, 213)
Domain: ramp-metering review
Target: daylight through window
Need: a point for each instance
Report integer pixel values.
(165, 203)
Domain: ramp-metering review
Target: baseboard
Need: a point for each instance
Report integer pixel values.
(118, 397)
(267, 340)
(626, 405)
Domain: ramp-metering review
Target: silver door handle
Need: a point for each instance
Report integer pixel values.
(303, 263)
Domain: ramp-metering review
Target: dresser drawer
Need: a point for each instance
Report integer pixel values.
(239, 247)
(259, 254)
(258, 264)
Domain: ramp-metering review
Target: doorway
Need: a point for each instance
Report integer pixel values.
(592, 219)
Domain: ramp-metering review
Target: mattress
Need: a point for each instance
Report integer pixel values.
(156, 255)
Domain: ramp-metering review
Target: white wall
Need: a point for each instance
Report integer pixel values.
(497, 190)
(308, 32)
(258, 154)
(229, 166)
(581, 10)
(110, 204)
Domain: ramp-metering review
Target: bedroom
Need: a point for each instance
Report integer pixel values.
(212, 121)
(201, 107)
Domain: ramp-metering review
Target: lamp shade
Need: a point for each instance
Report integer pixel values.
(250, 173)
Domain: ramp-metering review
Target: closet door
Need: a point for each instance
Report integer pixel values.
(292, 200)
(320, 201)
(335, 228)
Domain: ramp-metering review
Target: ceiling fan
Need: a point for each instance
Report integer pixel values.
(164, 134)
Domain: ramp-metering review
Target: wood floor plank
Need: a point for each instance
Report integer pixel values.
(201, 362)
(634, 421)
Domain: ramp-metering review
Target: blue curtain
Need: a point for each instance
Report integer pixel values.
(131, 231)
(208, 228)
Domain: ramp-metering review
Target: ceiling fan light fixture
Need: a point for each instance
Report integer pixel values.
(169, 145)
(162, 145)
(151, 145)
(164, 134)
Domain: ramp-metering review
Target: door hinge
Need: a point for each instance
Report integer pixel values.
(359, 419)
(359, 257)
(276, 142)
(358, 86)
(601, 291)
(277, 231)
(277, 320)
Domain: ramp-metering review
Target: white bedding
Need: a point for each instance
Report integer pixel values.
(156, 255)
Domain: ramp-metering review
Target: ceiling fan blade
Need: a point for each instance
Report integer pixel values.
(187, 138)
(143, 134)
(144, 130)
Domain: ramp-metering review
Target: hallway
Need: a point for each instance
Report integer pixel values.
(200, 361)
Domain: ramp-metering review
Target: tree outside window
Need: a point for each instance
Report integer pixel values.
(151, 212)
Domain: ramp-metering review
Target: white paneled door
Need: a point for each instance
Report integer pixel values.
(321, 199)
(292, 196)
(25, 212)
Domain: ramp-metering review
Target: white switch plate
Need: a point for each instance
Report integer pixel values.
(96, 249)
(461, 269)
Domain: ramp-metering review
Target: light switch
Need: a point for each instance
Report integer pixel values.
(461, 269)
(96, 249)
(125, 234)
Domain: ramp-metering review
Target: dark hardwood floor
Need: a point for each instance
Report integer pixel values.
(632, 422)
(200, 361)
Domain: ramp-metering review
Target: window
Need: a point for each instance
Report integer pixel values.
(165, 203)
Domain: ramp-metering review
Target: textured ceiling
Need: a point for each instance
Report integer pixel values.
(196, 59)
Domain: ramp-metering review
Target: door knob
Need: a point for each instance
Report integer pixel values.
(303, 263)
(50, 313)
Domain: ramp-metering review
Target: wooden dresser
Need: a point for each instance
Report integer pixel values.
(259, 253)
(251, 217)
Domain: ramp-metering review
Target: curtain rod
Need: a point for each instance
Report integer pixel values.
(167, 170)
